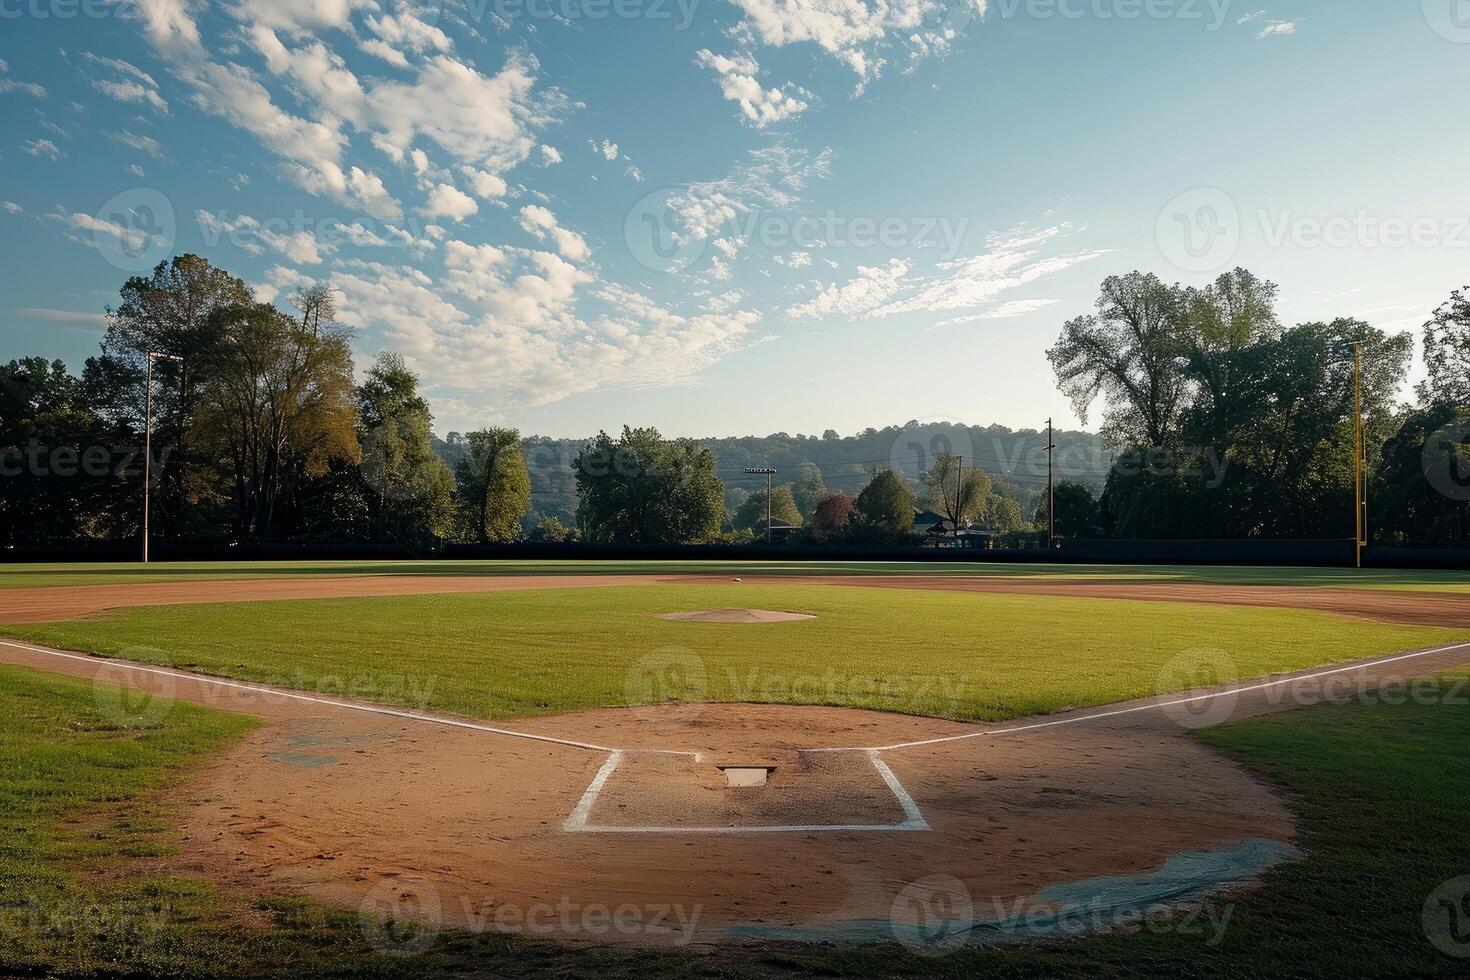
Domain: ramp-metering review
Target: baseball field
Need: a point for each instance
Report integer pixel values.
(747, 769)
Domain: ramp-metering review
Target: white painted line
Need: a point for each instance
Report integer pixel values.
(346, 705)
(1150, 707)
(577, 823)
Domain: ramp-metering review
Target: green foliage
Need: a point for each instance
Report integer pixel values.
(808, 492)
(885, 509)
(1077, 512)
(644, 489)
(958, 493)
(409, 492)
(751, 515)
(549, 530)
(1447, 353)
(494, 489)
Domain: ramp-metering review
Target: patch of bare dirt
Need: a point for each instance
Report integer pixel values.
(735, 616)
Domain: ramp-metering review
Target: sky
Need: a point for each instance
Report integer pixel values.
(729, 217)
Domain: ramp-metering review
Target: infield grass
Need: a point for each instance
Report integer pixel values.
(17, 576)
(941, 654)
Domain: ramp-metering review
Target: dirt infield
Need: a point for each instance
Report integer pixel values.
(377, 812)
(80, 602)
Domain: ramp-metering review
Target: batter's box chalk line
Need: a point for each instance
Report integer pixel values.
(580, 820)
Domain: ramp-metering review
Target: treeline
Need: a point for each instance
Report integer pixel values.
(1218, 421)
(1226, 423)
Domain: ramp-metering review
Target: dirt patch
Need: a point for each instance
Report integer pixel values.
(85, 601)
(735, 616)
(358, 809)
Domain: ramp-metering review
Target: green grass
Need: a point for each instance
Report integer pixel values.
(61, 574)
(1379, 791)
(942, 654)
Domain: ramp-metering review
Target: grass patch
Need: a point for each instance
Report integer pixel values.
(38, 575)
(940, 654)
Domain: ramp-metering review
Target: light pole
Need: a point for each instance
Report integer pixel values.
(148, 437)
(767, 472)
(1051, 496)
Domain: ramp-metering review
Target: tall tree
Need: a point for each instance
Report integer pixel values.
(885, 508)
(494, 487)
(1077, 511)
(751, 514)
(641, 488)
(808, 491)
(177, 310)
(829, 521)
(410, 491)
(953, 491)
(279, 400)
(1447, 353)
(1130, 351)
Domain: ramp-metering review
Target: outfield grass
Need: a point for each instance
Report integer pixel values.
(120, 573)
(941, 654)
(1379, 791)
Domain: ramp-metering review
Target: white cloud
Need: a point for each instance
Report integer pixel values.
(136, 171)
(448, 201)
(859, 296)
(550, 155)
(42, 148)
(12, 208)
(1253, 15)
(541, 223)
(856, 32)
(738, 83)
(607, 148)
(144, 144)
(489, 186)
(1278, 28)
(128, 238)
(130, 84)
(1005, 311)
(254, 237)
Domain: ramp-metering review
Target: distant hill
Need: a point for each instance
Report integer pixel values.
(844, 462)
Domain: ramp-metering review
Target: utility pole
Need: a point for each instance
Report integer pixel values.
(148, 438)
(768, 472)
(1051, 497)
(959, 496)
(1360, 460)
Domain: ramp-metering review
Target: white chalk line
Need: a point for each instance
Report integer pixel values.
(578, 822)
(330, 702)
(1095, 716)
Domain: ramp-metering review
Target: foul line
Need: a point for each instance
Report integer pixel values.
(1150, 707)
(578, 823)
(348, 705)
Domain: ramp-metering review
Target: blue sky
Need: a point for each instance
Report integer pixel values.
(730, 216)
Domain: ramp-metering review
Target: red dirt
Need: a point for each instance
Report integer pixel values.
(368, 811)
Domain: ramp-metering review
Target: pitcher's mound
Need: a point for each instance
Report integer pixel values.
(735, 616)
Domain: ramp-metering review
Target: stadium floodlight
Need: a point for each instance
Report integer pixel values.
(148, 436)
(767, 472)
